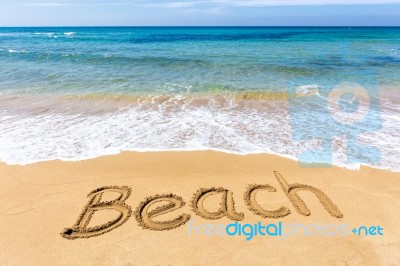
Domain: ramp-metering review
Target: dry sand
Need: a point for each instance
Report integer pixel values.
(38, 201)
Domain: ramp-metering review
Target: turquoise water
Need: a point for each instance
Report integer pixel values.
(137, 60)
(73, 93)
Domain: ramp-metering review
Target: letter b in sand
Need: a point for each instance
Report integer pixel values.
(81, 229)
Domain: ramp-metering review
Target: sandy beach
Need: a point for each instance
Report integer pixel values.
(38, 201)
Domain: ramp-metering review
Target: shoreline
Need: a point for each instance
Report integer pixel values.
(40, 200)
(118, 153)
(102, 128)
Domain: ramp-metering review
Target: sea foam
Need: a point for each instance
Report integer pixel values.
(83, 129)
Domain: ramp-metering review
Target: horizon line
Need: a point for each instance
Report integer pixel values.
(206, 26)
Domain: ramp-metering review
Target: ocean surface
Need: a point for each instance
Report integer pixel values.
(319, 95)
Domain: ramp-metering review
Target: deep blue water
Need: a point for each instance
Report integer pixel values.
(144, 59)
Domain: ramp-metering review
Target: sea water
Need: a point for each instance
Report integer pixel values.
(78, 93)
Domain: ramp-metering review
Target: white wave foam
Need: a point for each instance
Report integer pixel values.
(15, 51)
(235, 128)
(307, 90)
(69, 33)
(49, 34)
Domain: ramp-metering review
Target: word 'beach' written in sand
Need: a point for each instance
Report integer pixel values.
(158, 205)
